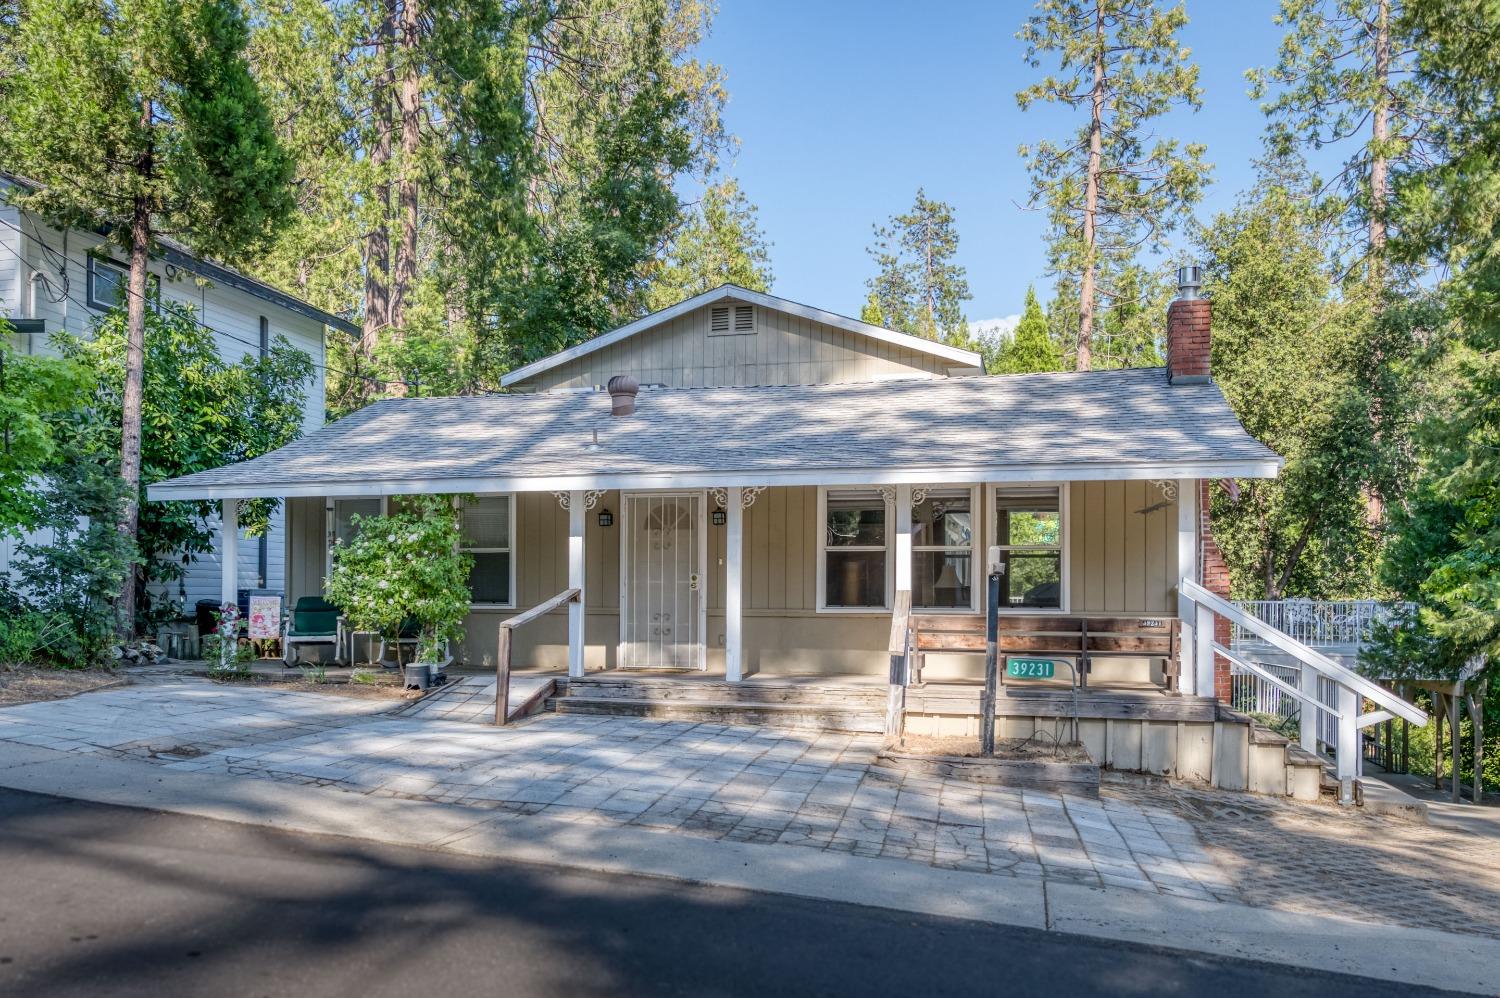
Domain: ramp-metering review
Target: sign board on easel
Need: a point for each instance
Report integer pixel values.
(265, 618)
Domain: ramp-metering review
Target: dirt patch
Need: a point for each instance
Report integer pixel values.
(383, 687)
(958, 746)
(29, 683)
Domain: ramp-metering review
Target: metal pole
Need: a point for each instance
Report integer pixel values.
(991, 668)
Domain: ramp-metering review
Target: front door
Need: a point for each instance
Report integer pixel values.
(662, 605)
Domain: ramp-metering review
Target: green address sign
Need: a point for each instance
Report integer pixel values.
(1030, 668)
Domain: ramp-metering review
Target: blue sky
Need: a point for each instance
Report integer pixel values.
(843, 109)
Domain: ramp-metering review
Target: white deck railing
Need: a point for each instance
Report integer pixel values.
(1350, 689)
(1317, 622)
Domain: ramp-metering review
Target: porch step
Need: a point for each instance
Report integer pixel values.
(801, 717)
(693, 690)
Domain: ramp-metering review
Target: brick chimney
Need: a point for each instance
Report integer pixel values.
(1187, 330)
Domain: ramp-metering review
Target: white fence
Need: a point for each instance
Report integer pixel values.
(1318, 622)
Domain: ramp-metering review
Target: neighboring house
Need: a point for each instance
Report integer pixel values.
(784, 474)
(55, 280)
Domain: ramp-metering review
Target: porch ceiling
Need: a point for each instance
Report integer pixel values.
(1069, 426)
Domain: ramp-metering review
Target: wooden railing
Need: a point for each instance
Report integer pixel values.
(503, 646)
(1084, 639)
(900, 648)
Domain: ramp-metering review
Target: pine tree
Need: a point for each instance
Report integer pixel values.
(720, 242)
(1344, 77)
(918, 287)
(143, 118)
(1109, 190)
(1030, 348)
(870, 311)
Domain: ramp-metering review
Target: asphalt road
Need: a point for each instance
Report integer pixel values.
(102, 901)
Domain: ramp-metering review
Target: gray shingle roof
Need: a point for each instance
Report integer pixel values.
(1131, 421)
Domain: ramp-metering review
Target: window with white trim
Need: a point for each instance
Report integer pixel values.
(489, 535)
(1029, 534)
(855, 550)
(942, 550)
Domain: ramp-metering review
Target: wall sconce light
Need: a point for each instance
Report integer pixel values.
(606, 518)
(720, 518)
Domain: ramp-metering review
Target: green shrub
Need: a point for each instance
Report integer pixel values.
(402, 567)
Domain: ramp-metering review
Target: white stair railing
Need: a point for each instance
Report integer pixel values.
(1351, 689)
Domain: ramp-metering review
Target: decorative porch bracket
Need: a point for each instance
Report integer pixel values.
(1168, 488)
(590, 498)
(748, 495)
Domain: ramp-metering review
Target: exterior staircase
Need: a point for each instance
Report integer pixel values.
(803, 706)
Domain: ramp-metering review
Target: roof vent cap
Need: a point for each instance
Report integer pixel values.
(622, 390)
(1189, 282)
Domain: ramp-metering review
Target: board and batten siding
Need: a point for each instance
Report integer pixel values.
(1122, 557)
(234, 316)
(783, 350)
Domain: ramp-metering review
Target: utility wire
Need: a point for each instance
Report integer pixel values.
(181, 310)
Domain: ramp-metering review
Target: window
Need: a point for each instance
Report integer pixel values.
(1029, 534)
(942, 550)
(489, 537)
(344, 512)
(109, 281)
(855, 550)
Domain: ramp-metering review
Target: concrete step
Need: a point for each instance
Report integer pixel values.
(800, 717)
(868, 697)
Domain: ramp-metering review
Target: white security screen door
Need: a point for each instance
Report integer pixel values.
(662, 595)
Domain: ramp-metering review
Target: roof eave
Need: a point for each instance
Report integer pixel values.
(1266, 467)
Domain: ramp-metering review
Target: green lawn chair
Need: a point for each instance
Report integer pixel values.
(410, 634)
(314, 621)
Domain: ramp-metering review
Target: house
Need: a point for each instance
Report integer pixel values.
(778, 477)
(792, 505)
(61, 280)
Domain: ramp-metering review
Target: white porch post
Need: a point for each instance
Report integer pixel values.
(576, 521)
(1307, 717)
(229, 552)
(1187, 568)
(330, 528)
(1203, 656)
(903, 538)
(1346, 758)
(734, 547)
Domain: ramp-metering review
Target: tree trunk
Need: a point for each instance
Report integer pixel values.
(378, 239)
(130, 403)
(1379, 136)
(411, 84)
(1091, 200)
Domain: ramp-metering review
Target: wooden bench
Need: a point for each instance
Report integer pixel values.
(1084, 638)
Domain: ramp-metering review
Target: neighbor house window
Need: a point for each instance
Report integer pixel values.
(344, 512)
(1029, 534)
(854, 550)
(489, 537)
(108, 283)
(942, 550)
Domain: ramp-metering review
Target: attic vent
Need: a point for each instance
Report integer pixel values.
(718, 319)
(744, 318)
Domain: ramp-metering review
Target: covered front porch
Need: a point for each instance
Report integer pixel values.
(804, 580)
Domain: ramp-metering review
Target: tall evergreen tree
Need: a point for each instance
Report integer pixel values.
(719, 242)
(539, 140)
(918, 287)
(870, 311)
(142, 117)
(1293, 356)
(1344, 78)
(1030, 348)
(1111, 188)
(1446, 545)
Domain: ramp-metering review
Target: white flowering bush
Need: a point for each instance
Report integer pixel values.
(405, 567)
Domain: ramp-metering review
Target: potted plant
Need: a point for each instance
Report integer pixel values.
(405, 568)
